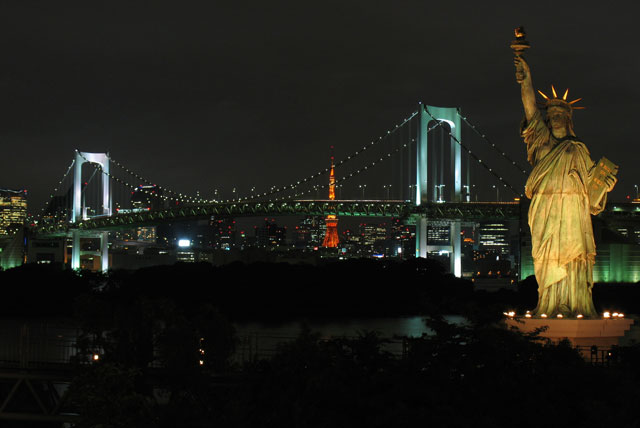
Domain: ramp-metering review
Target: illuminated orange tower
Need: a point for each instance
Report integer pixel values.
(331, 239)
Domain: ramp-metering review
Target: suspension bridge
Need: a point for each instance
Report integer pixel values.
(422, 165)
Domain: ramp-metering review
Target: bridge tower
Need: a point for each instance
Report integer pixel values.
(331, 238)
(79, 212)
(426, 188)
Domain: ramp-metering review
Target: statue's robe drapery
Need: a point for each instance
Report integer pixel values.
(563, 247)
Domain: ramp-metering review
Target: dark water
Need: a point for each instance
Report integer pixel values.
(386, 327)
(31, 342)
(260, 340)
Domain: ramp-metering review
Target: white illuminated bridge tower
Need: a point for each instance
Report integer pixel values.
(430, 189)
(79, 211)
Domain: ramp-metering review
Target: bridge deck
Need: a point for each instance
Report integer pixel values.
(341, 208)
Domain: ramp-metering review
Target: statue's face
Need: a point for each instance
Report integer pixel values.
(558, 117)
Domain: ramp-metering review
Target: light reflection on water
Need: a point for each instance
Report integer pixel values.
(385, 327)
(258, 340)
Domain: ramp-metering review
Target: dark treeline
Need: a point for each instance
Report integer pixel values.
(475, 375)
(165, 340)
(274, 292)
(268, 292)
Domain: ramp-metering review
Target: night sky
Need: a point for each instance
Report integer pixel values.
(204, 95)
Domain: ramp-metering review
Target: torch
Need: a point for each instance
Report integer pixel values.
(519, 45)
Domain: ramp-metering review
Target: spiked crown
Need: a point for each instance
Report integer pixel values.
(556, 101)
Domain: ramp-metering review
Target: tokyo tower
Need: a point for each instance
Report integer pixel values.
(331, 239)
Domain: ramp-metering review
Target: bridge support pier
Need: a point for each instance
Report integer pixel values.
(454, 248)
(455, 229)
(76, 250)
(421, 237)
(104, 251)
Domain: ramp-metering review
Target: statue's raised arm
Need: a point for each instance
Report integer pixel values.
(523, 76)
(523, 73)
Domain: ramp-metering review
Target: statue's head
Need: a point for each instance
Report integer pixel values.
(559, 117)
(560, 111)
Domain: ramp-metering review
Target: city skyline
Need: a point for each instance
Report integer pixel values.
(223, 96)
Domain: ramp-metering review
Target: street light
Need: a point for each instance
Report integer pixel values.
(363, 187)
(497, 193)
(636, 186)
(388, 188)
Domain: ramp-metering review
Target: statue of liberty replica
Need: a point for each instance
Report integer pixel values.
(565, 187)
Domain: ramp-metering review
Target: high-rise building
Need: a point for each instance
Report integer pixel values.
(309, 233)
(271, 235)
(146, 198)
(494, 236)
(372, 238)
(350, 242)
(402, 239)
(13, 210)
(497, 249)
(438, 233)
(224, 233)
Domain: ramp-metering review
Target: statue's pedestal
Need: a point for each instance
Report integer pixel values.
(582, 334)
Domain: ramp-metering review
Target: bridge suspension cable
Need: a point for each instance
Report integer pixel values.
(474, 156)
(52, 194)
(115, 178)
(338, 164)
(188, 199)
(375, 162)
(496, 148)
(180, 197)
(127, 184)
